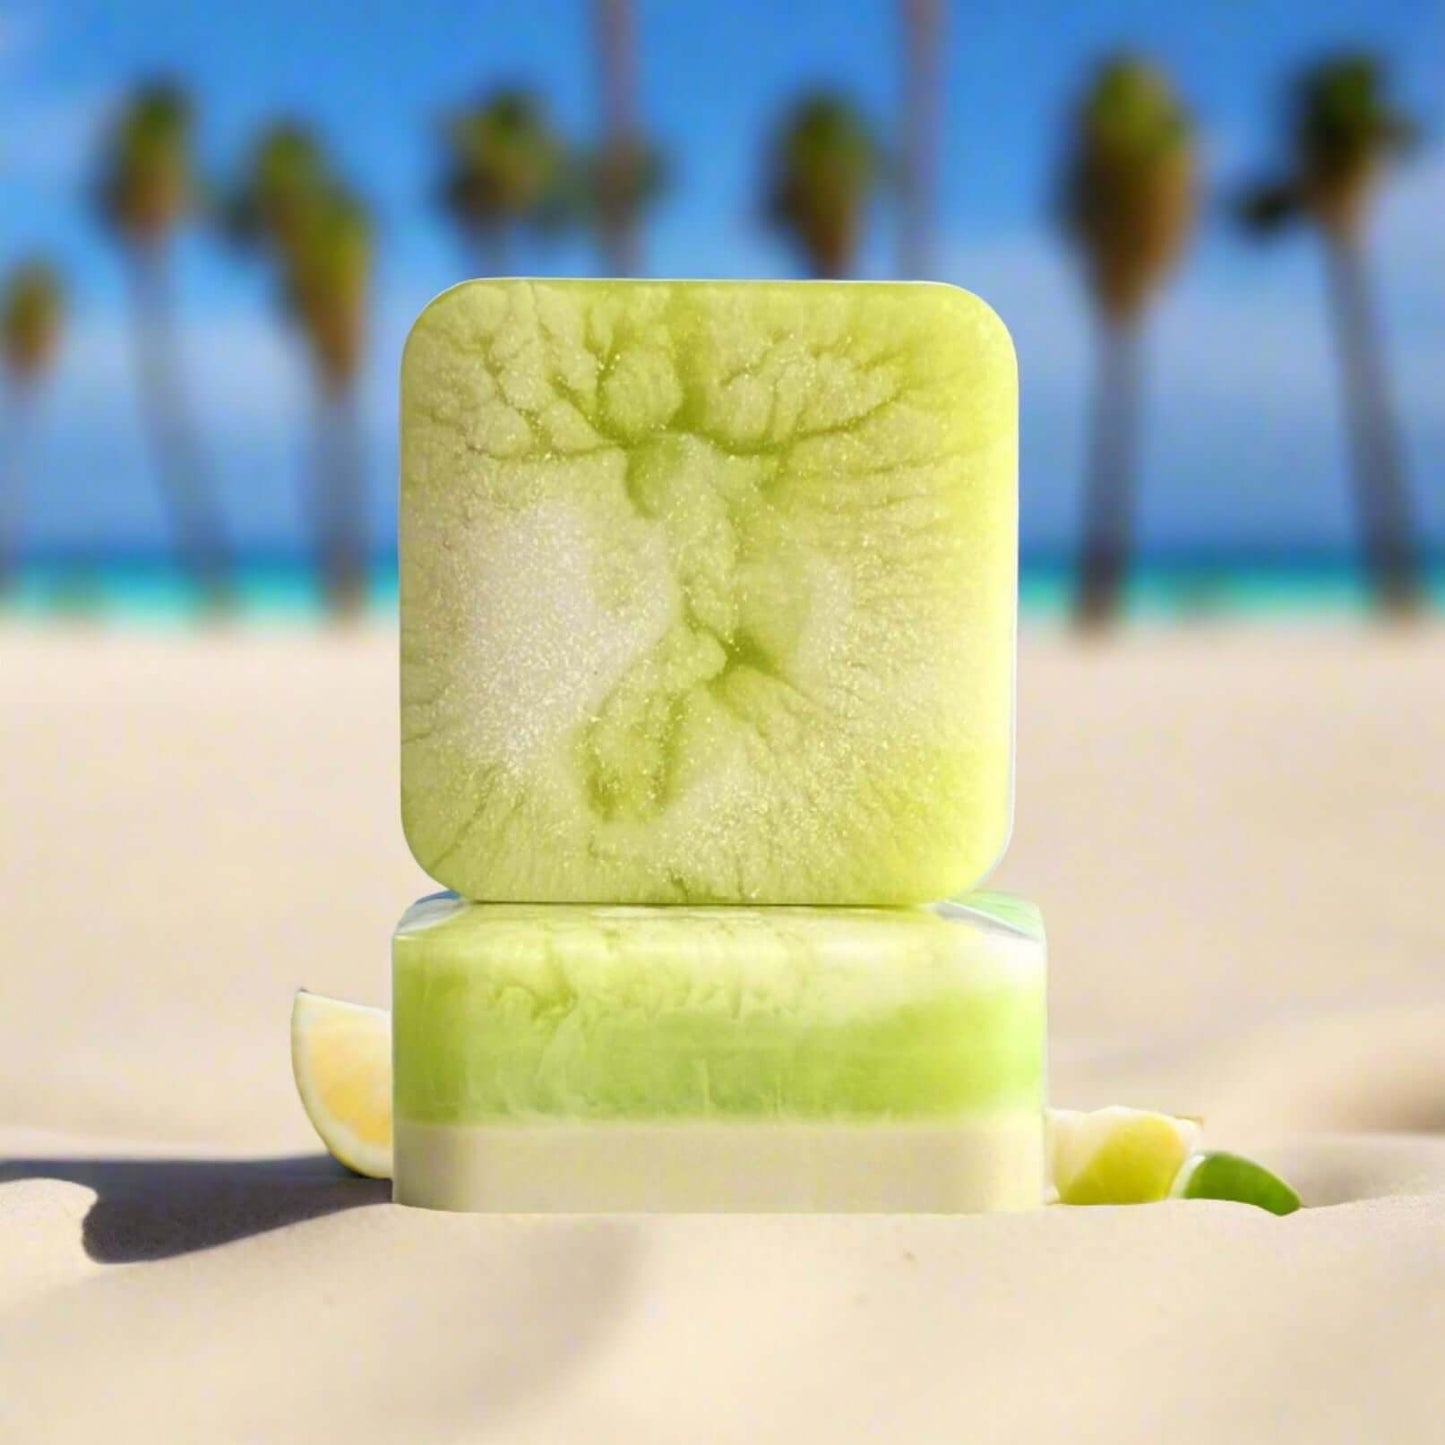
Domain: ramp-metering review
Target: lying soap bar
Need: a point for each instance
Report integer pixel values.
(707, 591)
(584, 1058)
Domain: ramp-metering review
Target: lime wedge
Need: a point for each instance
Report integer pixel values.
(1117, 1155)
(1229, 1176)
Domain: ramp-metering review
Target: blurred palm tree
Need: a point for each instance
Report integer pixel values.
(31, 310)
(922, 113)
(146, 190)
(1128, 204)
(824, 169)
(317, 236)
(328, 286)
(1344, 133)
(284, 173)
(505, 169)
(626, 173)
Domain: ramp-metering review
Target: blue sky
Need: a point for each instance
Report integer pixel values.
(1243, 446)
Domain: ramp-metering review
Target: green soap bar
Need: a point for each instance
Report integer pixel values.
(571, 1057)
(534, 1011)
(708, 591)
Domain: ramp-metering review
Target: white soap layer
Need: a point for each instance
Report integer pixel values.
(963, 1167)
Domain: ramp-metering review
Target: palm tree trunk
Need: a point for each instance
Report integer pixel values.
(922, 111)
(185, 491)
(338, 498)
(1110, 483)
(19, 415)
(1382, 501)
(616, 38)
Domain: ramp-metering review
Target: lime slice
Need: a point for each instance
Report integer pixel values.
(1117, 1155)
(1229, 1176)
(341, 1057)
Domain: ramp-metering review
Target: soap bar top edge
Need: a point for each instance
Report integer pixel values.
(986, 316)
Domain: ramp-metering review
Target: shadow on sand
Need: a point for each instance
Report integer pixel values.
(157, 1208)
(521, 1309)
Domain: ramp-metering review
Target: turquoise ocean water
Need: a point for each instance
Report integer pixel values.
(152, 590)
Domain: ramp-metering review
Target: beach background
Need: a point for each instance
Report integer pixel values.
(1231, 765)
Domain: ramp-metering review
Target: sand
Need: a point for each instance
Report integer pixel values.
(1237, 837)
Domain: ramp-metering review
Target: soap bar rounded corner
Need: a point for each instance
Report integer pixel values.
(413, 816)
(449, 296)
(980, 314)
(424, 319)
(972, 878)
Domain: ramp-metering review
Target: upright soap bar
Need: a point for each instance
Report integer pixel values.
(582, 1058)
(707, 591)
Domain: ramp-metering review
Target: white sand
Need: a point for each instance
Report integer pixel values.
(1238, 839)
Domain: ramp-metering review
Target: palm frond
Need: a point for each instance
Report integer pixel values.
(824, 166)
(32, 304)
(1127, 191)
(145, 183)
